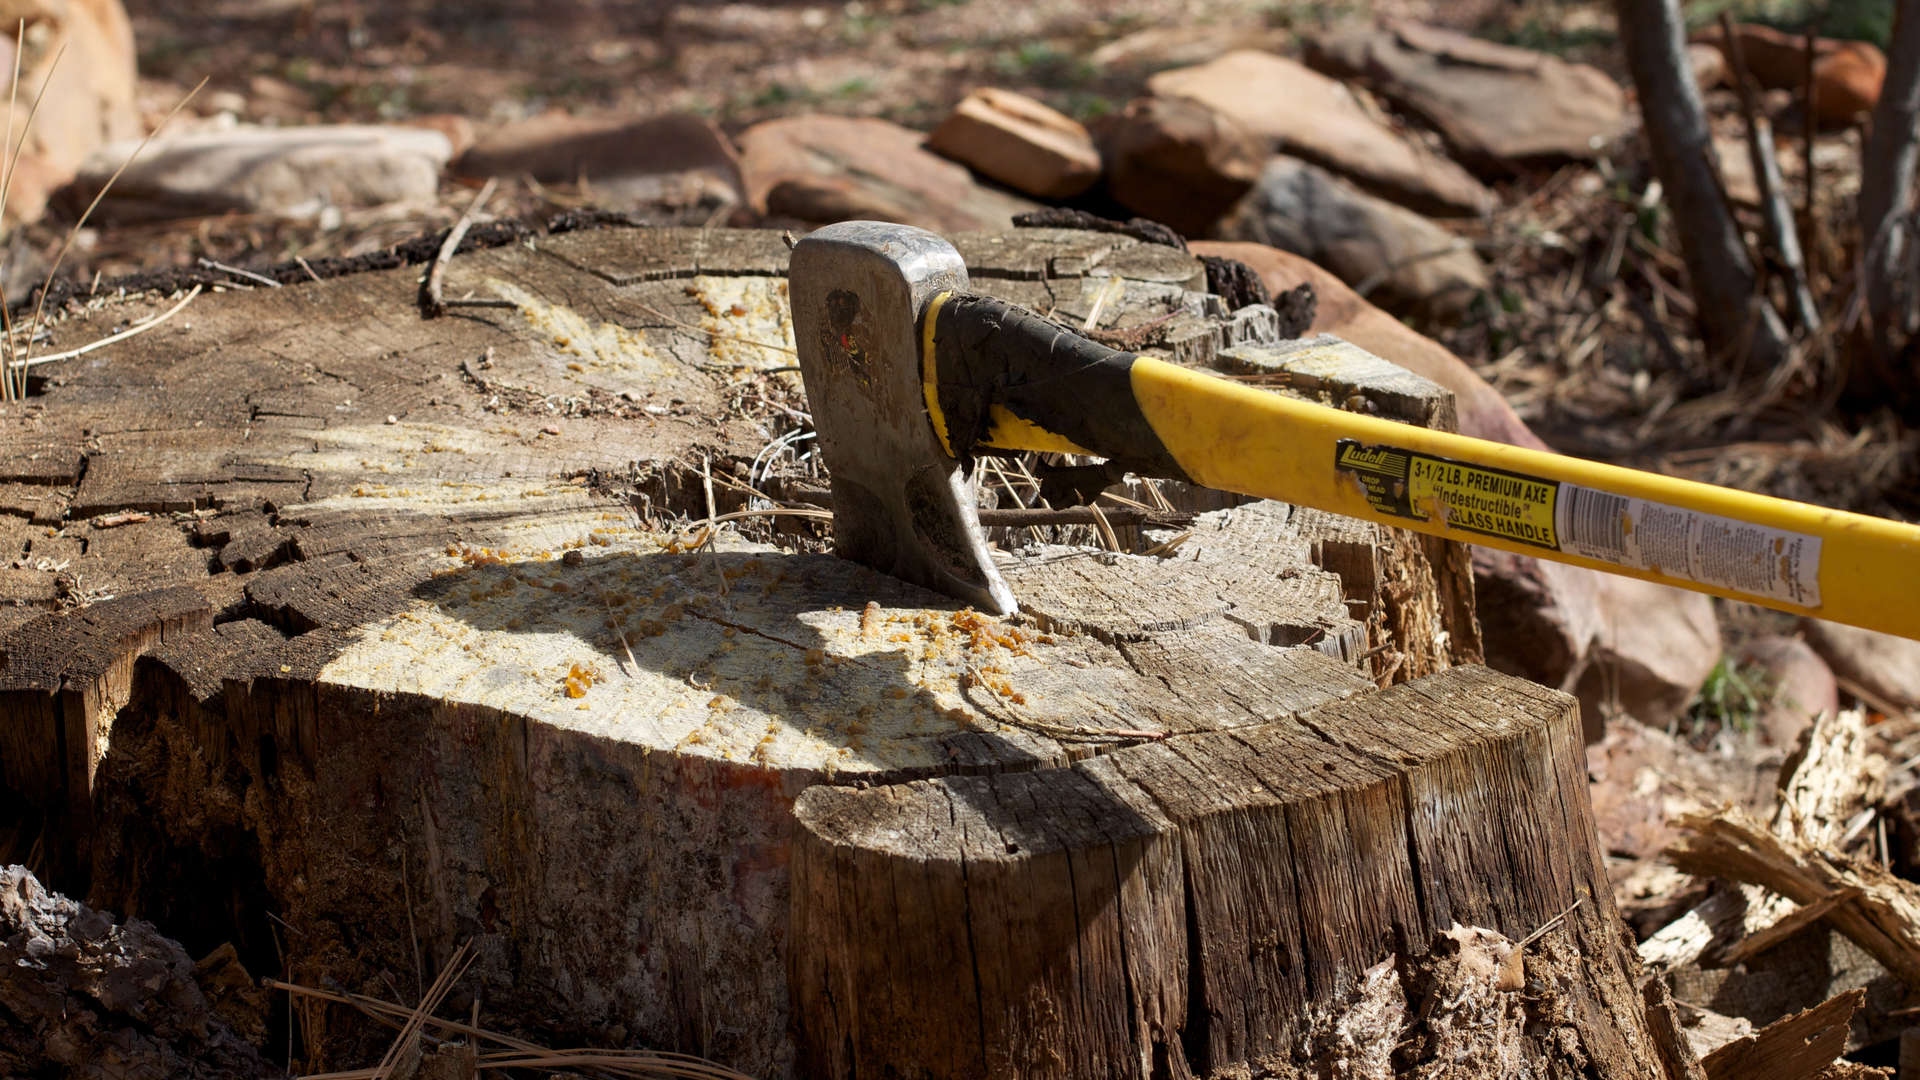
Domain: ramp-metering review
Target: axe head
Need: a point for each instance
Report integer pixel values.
(901, 503)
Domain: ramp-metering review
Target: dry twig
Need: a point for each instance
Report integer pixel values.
(436, 304)
(225, 269)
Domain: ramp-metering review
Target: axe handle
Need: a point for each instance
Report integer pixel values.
(998, 378)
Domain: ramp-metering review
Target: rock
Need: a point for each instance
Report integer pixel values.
(1157, 48)
(1538, 620)
(1799, 685)
(284, 171)
(1499, 107)
(1882, 665)
(1304, 113)
(87, 98)
(1178, 162)
(822, 169)
(1709, 66)
(1846, 74)
(87, 998)
(1653, 649)
(1407, 263)
(1019, 142)
(1847, 82)
(676, 160)
(458, 129)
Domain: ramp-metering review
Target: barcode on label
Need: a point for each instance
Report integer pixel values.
(1593, 523)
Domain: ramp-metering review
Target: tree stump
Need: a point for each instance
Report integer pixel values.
(348, 637)
(1184, 906)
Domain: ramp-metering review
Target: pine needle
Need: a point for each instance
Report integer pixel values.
(410, 1031)
(642, 1064)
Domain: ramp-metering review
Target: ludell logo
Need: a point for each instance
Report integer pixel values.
(1371, 458)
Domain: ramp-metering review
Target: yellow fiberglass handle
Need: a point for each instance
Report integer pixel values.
(1786, 555)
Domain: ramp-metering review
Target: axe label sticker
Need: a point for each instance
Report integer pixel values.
(1638, 534)
(1491, 502)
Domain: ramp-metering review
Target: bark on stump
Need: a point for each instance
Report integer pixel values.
(1192, 904)
(381, 627)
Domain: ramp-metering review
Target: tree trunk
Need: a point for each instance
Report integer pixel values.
(1887, 168)
(1735, 318)
(411, 653)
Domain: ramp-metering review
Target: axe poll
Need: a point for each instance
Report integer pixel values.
(909, 378)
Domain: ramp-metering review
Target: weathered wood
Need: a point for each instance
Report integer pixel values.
(1184, 906)
(1829, 777)
(1344, 375)
(417, 645)
(1799, 1047)
(1421, 614)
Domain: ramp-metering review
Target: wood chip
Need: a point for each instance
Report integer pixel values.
(128, 517)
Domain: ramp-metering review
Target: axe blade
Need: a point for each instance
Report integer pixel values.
(901, 503)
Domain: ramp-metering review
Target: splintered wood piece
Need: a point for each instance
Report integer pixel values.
(1663, 1024)
(1800, 1047)
(1792, 923)
(1884, 918)
(1828, 778)
(1182, 906)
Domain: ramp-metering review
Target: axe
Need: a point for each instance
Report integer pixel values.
(910, 378)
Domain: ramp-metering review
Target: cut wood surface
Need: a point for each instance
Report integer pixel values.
(400, 632)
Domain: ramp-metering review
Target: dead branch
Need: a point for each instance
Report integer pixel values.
(436, 304)
(1887, 168)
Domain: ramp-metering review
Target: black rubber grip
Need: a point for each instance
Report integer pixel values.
(988, 352)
